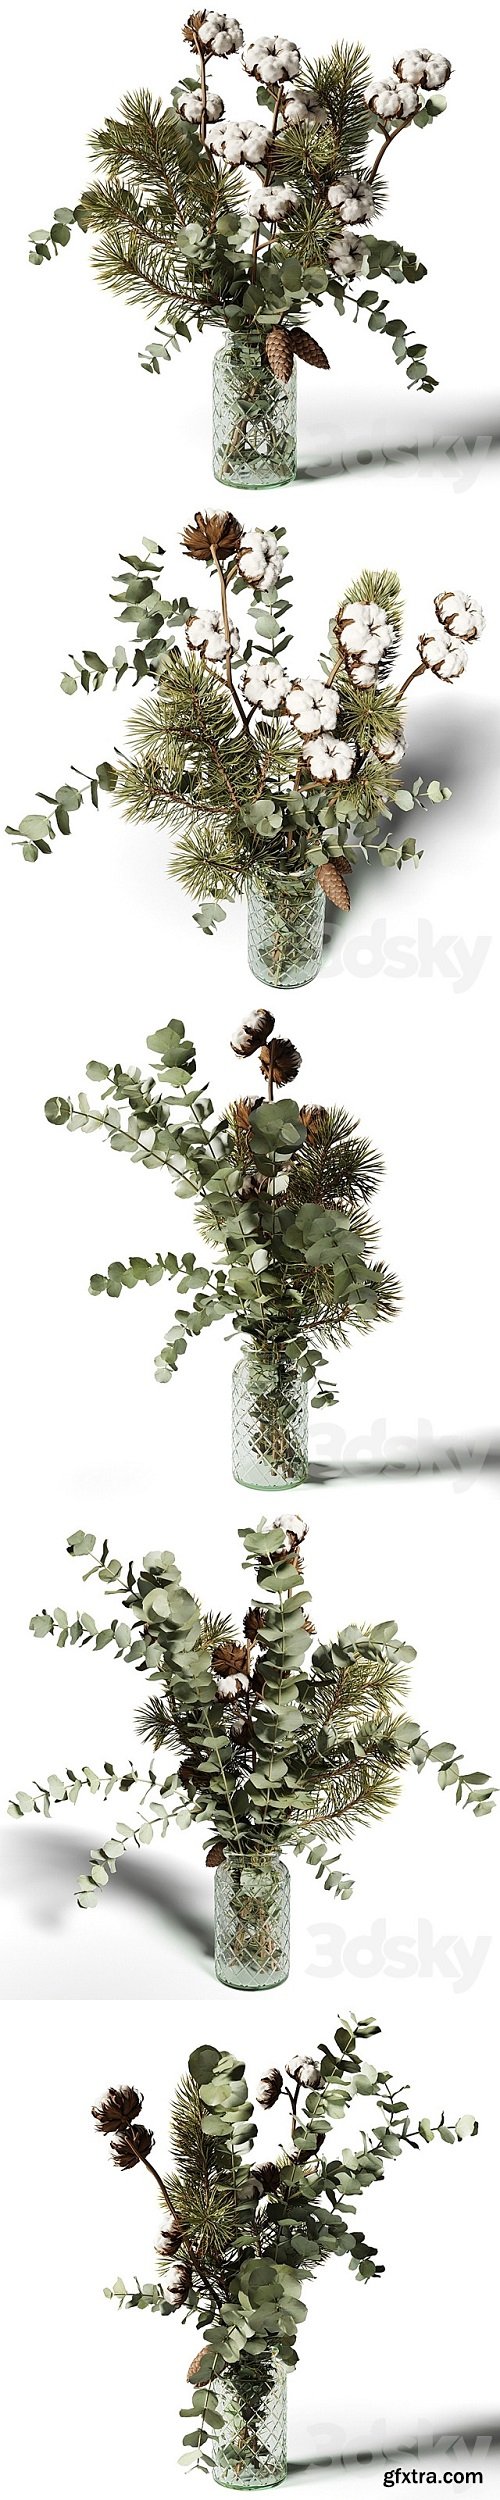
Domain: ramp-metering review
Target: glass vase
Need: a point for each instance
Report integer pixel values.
(252, 1922)
(269, 1422)
(249, 2452)
(254, 417)
(286, 920)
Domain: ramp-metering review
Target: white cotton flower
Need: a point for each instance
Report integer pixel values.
(274, 202)
(302, 105)
(228, 1686)
(292, 1527)
(262, 559)
(205, 632)
(423, 69)
(244, 143)
(390, 750)
(365, 637)
(330, 759)
(219, 33)
(272, 58)
(460, 614)
(312, 705)
(348, 255)
(191, 108)
(392, 99)
(303, 2069)
(265, 683)
(352, 201)
(445, 658)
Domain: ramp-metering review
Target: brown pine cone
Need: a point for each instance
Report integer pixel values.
(194, 2366)
(308, 350)
(215, 1854)
(279, 351)
(127, 2150)
(253, 1622)
(332, 879)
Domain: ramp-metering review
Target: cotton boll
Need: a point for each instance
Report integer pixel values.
(272, 58)
(353, 202)
(191, 108)
(274, 203)
(244, 143)
(330, 759)
(446, 659)
(303, 106)
(264, 683)
(262, 559)
(460, 614)
(312, 705)
(348, 255)
(390, 750)
(205, 633)
(424, 69)
(219, 33)
(364, 631)
(392, 99)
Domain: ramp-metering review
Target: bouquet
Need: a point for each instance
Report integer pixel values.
(283, 1740)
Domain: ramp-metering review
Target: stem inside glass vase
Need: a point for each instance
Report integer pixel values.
(254, 416)
(286, 920)
(250, 2449)
(252, 1921)
(270, 1420)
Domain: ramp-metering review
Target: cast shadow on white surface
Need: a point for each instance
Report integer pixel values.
(466, 438)
(476, 2441)
(436, 1457)
(466, 759)
(44, 1871)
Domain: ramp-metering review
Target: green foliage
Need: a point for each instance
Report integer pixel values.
(280, 1741)
(230, 781)
(172, 223)
(294, 1268)
(251, 2233)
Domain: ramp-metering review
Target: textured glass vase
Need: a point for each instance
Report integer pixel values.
(252, 1922)
(286, 920)
(254, 417)
(250, 2450)
(269, 1422)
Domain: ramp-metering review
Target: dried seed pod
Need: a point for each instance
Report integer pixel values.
(279, 351)
(229, 1659)
(281, 1062)
(333, 881)
(136, 2145)
(118, 2109)
(213, 533)
(308, 350)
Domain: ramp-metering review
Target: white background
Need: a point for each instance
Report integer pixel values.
(100, 950)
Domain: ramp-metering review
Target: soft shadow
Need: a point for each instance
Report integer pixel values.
(465, 757)
(467, 439)
(477, 2439)
(44, 1867)
(422, 1458)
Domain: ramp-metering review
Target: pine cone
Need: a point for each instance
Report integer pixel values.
(308, 350)
(279, 351)
(312, 1115)
(194, 2366)
(333, 882)
(215, 1854)
(210, 532)
(118, 2109)
(188, 1770)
